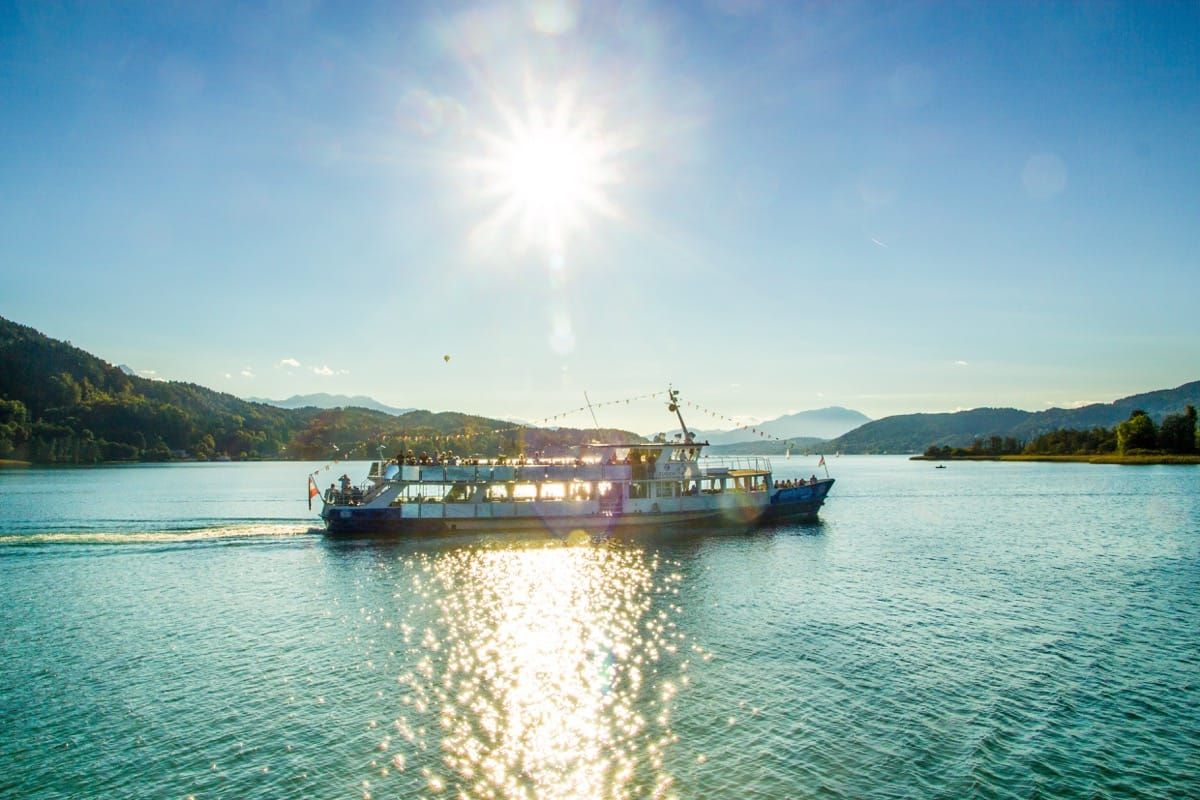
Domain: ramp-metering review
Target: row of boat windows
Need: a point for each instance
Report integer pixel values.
(574, 490)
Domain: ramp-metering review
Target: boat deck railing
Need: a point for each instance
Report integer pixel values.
(711, 465)
(563, 470)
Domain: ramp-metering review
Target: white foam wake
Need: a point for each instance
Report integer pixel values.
(208, 533)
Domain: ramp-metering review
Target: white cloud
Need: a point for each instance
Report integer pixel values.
(228, 376)
(960, 363)
(322, 370)
(289, 362)
(247, 372)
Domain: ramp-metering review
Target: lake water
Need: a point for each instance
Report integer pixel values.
(987, 630)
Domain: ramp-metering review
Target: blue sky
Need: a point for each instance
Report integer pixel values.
(777, 206)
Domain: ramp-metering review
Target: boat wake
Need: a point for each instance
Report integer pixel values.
(207, 533)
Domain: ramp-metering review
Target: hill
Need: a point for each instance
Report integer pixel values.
(912, 433)
(60, 404)
(326, 400)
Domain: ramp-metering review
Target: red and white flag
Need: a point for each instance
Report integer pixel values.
(821, 463)
(313, 491)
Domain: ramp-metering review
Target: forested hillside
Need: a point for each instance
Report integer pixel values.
(60, 404)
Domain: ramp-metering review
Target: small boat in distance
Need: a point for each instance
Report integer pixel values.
(601, 488)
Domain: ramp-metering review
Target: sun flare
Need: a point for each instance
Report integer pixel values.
(549, 176)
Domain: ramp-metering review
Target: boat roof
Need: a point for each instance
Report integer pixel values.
(680, 443)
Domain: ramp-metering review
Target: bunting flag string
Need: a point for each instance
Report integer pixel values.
(463, 436)
(748, 428)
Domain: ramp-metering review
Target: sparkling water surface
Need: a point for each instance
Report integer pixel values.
(987, 630)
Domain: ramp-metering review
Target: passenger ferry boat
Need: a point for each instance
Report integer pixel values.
(602, 488)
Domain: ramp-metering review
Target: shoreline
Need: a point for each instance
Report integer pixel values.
(1078, 458)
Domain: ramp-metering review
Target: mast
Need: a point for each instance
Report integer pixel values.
(673, 405)
(595, 422)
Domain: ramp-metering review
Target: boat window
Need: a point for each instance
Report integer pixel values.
(604, 488)
(423, 493)
(525, 491)
(668, 489)
(639, 489)
(554, 491)
(497, 491)
(460, 493)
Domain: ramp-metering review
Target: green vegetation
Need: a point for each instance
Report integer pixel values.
(61, 405)
(1134, 441)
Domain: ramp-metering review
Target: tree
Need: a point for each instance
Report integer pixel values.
(1137, 432)
(1177, 434)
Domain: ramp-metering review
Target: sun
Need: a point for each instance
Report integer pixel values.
(548, 175)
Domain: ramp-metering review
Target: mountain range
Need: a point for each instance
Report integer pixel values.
(913, 433)
(326, 400)
(820, 423)
(61, 404)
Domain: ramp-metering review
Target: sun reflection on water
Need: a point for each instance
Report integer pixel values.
(539, 671)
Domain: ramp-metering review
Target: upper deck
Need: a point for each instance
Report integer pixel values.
(619, 463)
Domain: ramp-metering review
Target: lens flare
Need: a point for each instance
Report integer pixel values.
(549, 174)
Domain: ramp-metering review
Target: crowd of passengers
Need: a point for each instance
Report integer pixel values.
(449, 459)
(792, 484)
